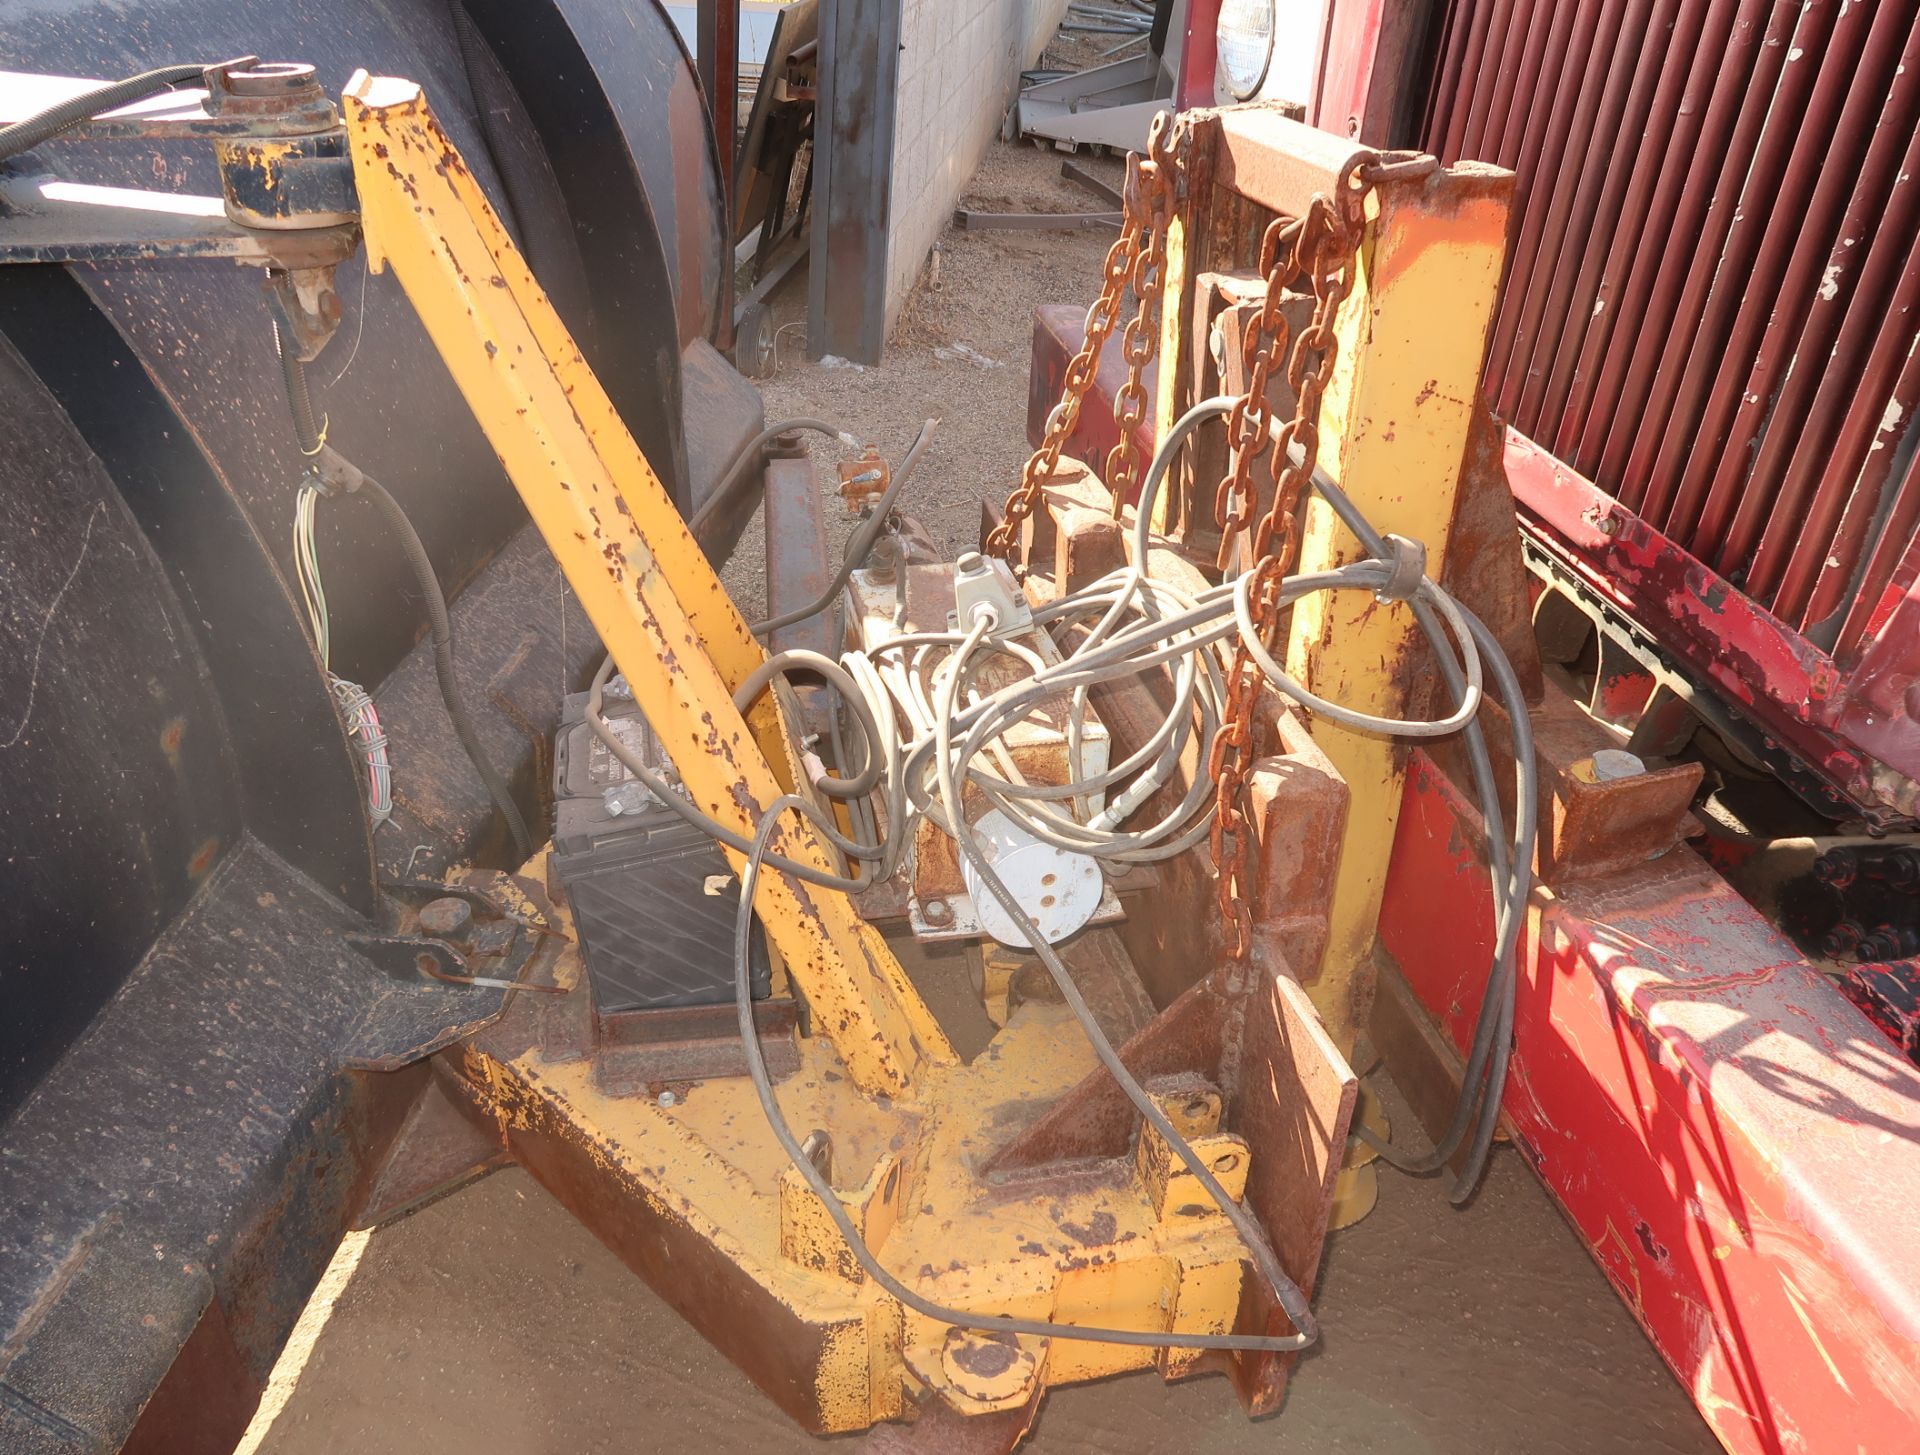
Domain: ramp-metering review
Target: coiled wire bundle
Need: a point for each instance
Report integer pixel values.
(1129, 624)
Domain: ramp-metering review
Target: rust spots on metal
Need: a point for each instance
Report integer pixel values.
(1096, 1232)
(203, 858)
(171, 737)
(986, 1356)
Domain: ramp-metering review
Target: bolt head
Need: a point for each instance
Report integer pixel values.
(936, 911)
(1612, 763)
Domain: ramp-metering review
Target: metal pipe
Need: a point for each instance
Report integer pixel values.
(1559, 175)
(1621, 117)
(1813, 302)
(1790, 226)
(1660, 74)
(1626, 462)
(1665, 159)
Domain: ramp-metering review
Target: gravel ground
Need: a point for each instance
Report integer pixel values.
(978, 299)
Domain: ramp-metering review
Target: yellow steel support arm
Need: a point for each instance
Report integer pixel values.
(642, 580)
(1412, 342)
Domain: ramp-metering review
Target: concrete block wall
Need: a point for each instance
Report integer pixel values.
(960, 64)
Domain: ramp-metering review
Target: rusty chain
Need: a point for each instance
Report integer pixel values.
(1137, 260)
(1141, 341)
(1320, 249)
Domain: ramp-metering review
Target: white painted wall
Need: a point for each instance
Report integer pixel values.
(960, 64)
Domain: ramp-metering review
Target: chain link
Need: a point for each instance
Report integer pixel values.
(1319, 249)
(1141, 341)
(1137, 260)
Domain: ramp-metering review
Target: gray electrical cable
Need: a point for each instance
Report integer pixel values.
(856, 1243)
(861, 541)
(734, 481)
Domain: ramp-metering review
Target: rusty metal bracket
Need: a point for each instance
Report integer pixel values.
(287, 202)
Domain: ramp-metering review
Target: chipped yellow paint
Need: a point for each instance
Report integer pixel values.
(1101, 1254)
(1412, 340)
(612, 528)
(1176, 277)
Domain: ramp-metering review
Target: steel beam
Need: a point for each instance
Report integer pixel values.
(1412, 340)
(853, 178)
(1737, 1146)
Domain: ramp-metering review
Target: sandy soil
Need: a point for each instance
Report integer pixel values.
(491, 1322)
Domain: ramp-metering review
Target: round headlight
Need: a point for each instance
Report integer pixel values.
(1243, 41)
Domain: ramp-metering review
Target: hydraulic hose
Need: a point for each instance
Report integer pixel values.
(442, 631)
(24, 136)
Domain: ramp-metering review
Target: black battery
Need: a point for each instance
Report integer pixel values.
(653, 898)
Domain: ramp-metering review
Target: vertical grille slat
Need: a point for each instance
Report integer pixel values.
(1789, 369)
(1497, 64)
(1507, 120)
(1717, 281)
(1620, 124)
(1877, 416)
(1713, 293)
(1542, 179)
(1680, 283)
(1454, 123)
(1829, 144)
(1623, 208)
(1895, 559)
(1627, 287)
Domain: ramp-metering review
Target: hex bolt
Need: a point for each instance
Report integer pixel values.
(936, 912)
(1837, 867)
(667, 1098)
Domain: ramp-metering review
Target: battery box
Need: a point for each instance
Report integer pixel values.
(653, 898)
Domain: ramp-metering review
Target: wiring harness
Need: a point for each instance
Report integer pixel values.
(357, 712)
(1127, 625)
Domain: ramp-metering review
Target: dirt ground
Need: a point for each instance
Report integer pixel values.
(958, 353)
(493, 1324)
